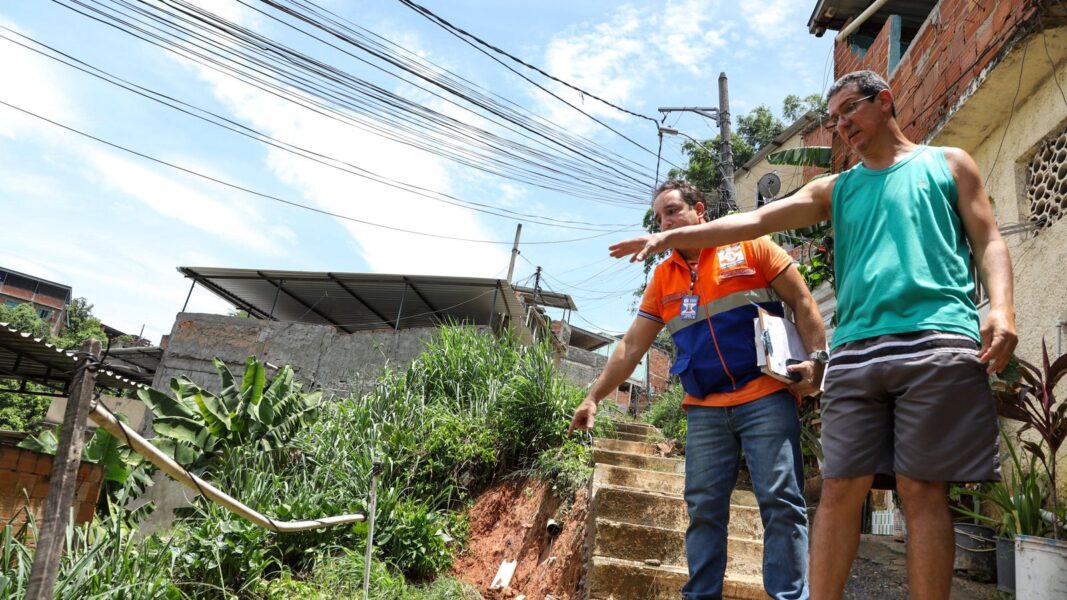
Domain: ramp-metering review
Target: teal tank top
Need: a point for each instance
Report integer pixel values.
(901, 259)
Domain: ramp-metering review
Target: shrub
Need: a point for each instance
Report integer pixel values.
(667, 414)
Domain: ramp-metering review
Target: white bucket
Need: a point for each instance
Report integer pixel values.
(1040, 568)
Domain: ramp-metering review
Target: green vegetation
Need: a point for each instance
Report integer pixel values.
(20, 412)
(470, 410)
(667, 414)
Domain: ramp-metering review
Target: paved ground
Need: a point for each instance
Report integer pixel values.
(880, 572)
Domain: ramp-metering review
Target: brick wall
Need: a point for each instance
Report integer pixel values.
(957, 42)
(659, 370)
(25, 473)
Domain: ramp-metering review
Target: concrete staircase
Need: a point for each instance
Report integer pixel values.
(638, 520)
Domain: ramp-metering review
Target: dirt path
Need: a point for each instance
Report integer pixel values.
(880, 572)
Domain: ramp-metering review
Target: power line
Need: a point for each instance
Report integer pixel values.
(198, 41)
(278, 199)
(323, 159)
(433, 17)
(463, 35)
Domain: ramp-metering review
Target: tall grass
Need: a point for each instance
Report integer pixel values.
(101, 559)
(470, 409)
(667, 414)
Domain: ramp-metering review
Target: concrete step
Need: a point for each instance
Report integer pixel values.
(641, 448)
(614, 579)
(640, 543)
(640, 479)
(651, 509)
(635, 461)
(638, 437)
(638, 428)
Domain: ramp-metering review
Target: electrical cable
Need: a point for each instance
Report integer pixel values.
(323, 159)
(282, 200)
(447, 25)
(192, 48)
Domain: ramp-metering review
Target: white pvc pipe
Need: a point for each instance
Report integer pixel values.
(176, 471)
(860, 20)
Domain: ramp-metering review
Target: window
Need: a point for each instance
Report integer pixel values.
(1046, 182)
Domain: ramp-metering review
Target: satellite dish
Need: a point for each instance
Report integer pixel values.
(769, 185)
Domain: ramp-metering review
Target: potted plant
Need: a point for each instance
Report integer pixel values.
(1019, 499)
(1027, 394)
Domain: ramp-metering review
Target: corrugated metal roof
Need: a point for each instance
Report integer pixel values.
(363, 301)
(588, 340)
(24, 357)
(834, 14)
(546, 298)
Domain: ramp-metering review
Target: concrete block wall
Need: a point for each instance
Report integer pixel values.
(24, 478)
(321, 356)
(958, 41)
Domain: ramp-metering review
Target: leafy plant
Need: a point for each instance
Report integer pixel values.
(1019, 498)
(102, 559)
(196, 427)
(1030, 399)
(667, 414)
(126, 474)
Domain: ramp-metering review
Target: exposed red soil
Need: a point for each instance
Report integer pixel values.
(508, 522)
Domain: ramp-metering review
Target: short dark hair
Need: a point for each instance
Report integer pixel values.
(867, 82)
(690, 193)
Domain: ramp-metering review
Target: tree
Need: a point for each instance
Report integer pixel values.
(81, 325)
(794, 107)
(24, 317)
(21, 412)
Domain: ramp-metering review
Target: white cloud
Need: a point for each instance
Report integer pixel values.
(618, 58)
(346, 194)
(32, 82)
(775, 19)
(218, 213)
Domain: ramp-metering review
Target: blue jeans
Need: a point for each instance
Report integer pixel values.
(768, 432)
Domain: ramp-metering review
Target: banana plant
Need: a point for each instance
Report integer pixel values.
(197, 428)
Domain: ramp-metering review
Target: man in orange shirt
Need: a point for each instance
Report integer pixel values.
(708, 299)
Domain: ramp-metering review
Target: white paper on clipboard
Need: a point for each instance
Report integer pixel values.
(778, 345)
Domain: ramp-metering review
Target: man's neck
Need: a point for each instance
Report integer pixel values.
(690, 256)
(886, 152)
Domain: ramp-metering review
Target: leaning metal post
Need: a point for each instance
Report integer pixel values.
(376, 470)
(109, 423)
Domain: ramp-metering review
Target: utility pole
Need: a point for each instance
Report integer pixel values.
(727, 157)
(514, 251)
(721, 116)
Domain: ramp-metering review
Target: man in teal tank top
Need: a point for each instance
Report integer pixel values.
(907, 401)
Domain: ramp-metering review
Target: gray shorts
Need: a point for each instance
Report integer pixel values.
(916, 404)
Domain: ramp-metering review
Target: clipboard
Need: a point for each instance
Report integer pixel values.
(778, 345)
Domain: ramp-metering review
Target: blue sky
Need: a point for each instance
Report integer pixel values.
(115, 226)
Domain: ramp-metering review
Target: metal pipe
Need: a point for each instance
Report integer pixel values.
(376, 469)
(860, 20)
(176, 471)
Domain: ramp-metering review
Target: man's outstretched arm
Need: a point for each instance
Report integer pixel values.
(623, 360)
(810, 205)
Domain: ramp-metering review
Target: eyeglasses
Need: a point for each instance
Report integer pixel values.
(846, 111)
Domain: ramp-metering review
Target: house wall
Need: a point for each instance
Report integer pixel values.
(321, 356)
(24, 480)
(792, 177)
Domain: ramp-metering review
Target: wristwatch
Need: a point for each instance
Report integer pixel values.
(820, 357)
